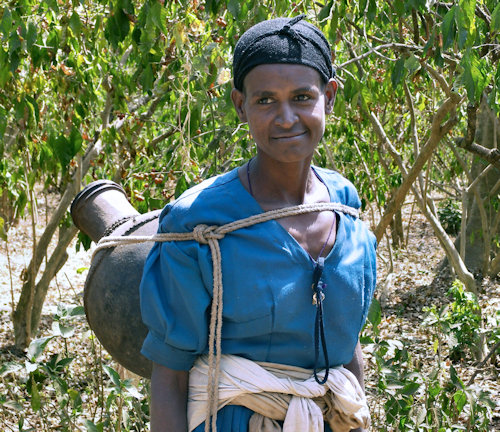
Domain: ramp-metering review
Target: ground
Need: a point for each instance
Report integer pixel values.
(415, 281)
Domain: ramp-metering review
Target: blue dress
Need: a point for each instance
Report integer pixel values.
(268, 314)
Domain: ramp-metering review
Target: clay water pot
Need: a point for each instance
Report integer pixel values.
(111, 294)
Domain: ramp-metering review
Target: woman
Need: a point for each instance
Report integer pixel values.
(283, 89)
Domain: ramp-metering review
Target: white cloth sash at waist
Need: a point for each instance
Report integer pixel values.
(278, 392)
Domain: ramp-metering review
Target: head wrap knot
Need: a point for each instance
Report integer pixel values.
(282, 40)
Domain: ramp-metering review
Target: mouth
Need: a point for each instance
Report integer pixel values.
(288, 136)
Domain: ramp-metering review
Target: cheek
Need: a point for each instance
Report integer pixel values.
(318, 116)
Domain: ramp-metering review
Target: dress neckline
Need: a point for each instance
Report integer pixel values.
(255, 208)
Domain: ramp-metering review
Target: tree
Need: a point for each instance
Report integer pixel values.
(139, 92)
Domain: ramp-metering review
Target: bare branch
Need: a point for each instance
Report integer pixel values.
(480, 365)
(437, 133)
(438, 77)
(492, 156)
(396, 46)
(163, 136)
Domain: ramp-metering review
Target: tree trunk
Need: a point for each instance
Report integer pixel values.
(481, 231)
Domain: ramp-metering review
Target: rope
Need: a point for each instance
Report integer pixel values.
(211, 235)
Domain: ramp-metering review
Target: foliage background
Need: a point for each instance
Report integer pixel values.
(138, 92)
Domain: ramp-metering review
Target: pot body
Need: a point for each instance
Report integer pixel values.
(111, 294)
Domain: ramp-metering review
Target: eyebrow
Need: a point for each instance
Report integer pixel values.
(269, 93)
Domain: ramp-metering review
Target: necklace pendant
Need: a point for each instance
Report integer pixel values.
(318, 290)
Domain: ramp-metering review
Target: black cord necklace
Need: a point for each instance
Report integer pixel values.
(318, 297)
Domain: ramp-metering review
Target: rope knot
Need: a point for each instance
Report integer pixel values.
(203, 233)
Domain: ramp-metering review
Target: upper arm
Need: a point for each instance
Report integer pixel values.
(174, 304)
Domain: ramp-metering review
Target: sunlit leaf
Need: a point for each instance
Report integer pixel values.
(91, 427)
(37, 346)
(3, 233)
(35, 395)
(115, 378)
(495, 19)
(65, 331)
(9, 367)
(460, 399)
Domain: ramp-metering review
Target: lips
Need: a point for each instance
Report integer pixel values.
(288, 135)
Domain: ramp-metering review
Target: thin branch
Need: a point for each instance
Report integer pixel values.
(480, 365)
(492, 156)
(438, 77)
(437, 133)
(393, 45)
(163, 136)
(479, 177)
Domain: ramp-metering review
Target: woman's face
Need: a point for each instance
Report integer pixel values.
(285, 107)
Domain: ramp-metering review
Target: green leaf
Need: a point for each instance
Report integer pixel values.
(132, 390)
(75, 138)
(117, 27)
(181, 186)
(9, 367)
(398, 72)
(5, 76)
(448, 28)
(410, 388)
(113, 375)
(61, 364)
(35, 395)
(13, 405)
(14, 43)
(59, 329)
(37, 346)
(495, 19)
(350, 88)
(399, 7)
(147, 78)
(158, 16)
(234, 7)
(474, 76)
(375, 313)
(460, 399)
(3, 234)
(457, 382)
(31, 35)
(77, 311)
(372, 11)
(75, 24)
(412, 64)
(90, 426)
(6, 24)
(465, 18)
(325, 11)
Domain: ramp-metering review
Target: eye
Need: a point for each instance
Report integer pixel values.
(302, 97)
(264, 101)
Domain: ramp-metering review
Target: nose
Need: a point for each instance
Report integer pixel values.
(285, 116)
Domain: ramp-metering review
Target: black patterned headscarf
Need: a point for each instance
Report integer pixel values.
(282, 40)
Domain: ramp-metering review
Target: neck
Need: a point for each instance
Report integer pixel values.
(281, 184)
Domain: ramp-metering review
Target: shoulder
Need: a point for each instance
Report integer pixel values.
(211, 202)
(341, 190)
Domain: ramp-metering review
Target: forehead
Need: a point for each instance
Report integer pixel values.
(281, 76)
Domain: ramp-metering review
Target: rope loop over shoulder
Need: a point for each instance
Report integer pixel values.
(210, 235)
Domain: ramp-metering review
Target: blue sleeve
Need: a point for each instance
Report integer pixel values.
(175, 301)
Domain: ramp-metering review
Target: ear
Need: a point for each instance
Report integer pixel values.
(238, 99)
(330, 94)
